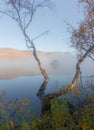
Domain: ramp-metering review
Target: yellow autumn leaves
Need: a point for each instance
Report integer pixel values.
(19, 103)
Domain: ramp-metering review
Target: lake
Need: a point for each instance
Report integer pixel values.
(23, 87)
(20, 76)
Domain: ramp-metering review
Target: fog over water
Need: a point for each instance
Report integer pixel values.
(15, 63)
(20, 75)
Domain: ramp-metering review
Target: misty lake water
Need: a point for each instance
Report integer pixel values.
(21, 78)
(28, 86)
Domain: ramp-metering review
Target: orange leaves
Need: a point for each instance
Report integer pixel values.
(20, 103)
(89, 23)
(25, 101)
(12, 124)
(14, 112)
(1, 105)
(10, 106)
(85, 127)
(76, 92)
(91, 13)
(82, 30)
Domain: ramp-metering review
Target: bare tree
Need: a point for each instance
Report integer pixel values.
(22, 12)
(82, 40)
(83, 37)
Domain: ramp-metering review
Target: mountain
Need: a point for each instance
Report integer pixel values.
(15, 63)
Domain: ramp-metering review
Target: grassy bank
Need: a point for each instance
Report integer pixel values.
(62, 115)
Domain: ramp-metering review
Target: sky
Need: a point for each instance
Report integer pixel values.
(52, 20)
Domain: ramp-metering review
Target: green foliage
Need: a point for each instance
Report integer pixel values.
(4, 127)
(62, 116)
(25, 126)
(86, 120)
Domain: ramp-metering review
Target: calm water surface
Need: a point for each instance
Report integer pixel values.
(28, 86)
(21, 78)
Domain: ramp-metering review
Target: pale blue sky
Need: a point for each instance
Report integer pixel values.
(52, 20)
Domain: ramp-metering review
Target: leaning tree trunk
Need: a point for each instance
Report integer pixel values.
(40, 93)
(41, 90)
(75, 79)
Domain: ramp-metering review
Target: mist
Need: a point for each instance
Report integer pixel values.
(16, 63)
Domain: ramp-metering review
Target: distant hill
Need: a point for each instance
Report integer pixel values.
(15, 63)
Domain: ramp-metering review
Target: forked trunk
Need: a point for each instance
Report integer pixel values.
(40, 93)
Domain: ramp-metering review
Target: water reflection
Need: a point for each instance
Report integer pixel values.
(20, 76)
(28, 87)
